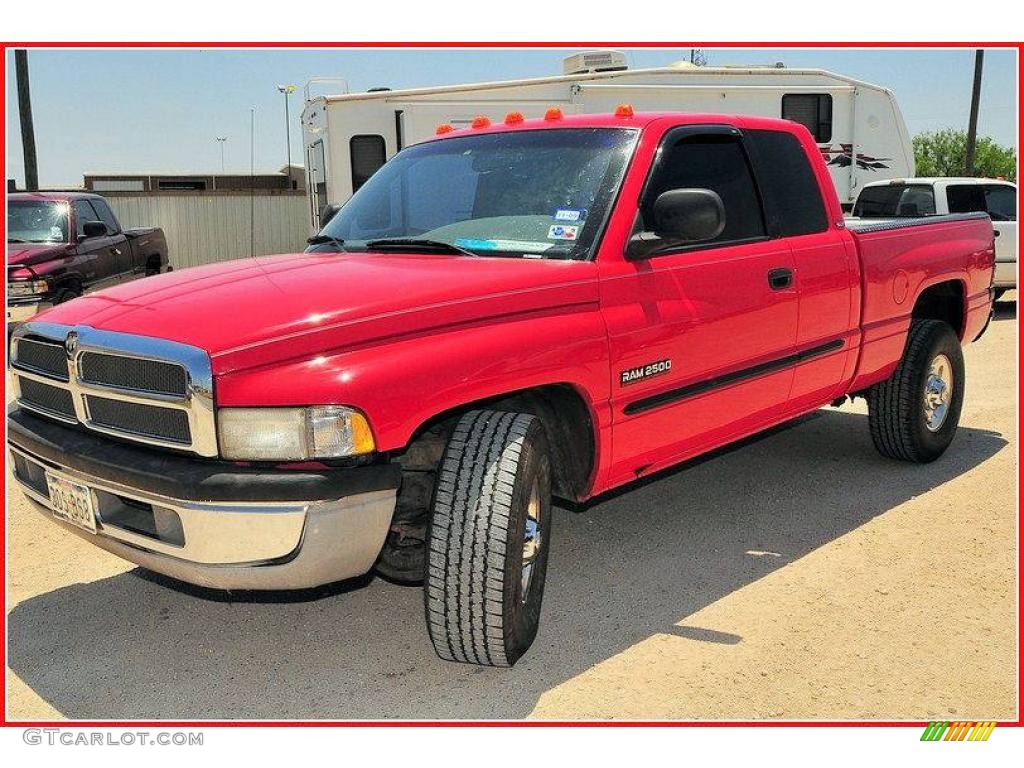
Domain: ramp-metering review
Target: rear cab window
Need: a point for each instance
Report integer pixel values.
(894, 201)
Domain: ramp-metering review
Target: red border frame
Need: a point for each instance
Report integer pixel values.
(4, 722)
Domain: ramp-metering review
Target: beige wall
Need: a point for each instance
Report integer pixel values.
(202, 229)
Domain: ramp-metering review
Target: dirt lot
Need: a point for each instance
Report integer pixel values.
(798, 576)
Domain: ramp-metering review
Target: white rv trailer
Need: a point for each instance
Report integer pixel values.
(858, 126)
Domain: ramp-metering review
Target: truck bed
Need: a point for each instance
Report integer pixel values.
(902, 257)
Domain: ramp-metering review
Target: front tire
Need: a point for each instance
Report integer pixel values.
(913, 415)
(487, 546)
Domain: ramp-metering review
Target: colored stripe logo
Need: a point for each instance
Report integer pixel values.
(959, 731)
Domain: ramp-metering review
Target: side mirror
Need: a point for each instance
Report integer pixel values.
(94, 229)
(680, 217)
(328, 213)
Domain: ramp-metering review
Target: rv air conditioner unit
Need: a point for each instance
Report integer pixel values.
(594, 61)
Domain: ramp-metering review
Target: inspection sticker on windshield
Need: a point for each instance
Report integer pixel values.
(570, 214)
(474, 244)
(562, 232)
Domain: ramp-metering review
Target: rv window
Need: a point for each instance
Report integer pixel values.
(792, 197)
(717, 163)
(811, 110)
(368, 154)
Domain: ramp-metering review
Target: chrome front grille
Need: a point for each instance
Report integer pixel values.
(56, 401)
(143, 389)
(133, 373)
(43, 357)
(138, 419)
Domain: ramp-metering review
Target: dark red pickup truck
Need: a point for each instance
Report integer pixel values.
(61, 244)
(505, 314)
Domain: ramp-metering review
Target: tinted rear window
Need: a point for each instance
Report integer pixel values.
(894, 201)
(792, 197)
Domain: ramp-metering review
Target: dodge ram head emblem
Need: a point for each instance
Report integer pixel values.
(71, 343)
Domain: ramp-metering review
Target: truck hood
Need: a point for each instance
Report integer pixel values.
(259, 311)
(27, 254)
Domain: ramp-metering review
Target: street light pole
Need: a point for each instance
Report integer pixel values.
(287, 90)
(221, 140)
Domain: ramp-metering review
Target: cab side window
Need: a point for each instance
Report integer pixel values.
(106, 215)
(84, 212)
(1001, 202)
(714, 162)
(792, 195)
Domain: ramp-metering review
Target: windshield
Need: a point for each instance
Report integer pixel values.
(895, 201)
(538, 194)
(37, 221)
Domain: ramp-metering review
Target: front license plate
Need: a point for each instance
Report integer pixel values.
(71, 502)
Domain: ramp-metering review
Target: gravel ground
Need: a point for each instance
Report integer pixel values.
(797, 576)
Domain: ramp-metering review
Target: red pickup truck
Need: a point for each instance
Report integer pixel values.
(502, 315)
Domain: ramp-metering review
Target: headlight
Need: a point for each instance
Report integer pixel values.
(293, 434)
(27, 287)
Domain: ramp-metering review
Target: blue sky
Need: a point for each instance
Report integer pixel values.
(123, 111)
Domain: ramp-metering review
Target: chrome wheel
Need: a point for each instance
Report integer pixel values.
(938, 392)
(532, 538)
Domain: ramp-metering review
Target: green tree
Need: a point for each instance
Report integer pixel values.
(942, 153)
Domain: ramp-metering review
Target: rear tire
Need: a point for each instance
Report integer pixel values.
(913, 415)
(487, 546)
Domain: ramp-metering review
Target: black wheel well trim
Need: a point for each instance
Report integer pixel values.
(567, 417)
(944, 300)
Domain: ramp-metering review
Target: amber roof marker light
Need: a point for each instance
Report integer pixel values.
(624, 110)
(444, 128)
(514, 118)
(553, 113)
(481, 121)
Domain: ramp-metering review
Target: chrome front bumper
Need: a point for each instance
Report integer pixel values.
(223, 544)
(24, 311)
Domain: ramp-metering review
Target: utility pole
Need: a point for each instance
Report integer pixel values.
(221, 140)
(252, 181)
(972, 127)
(287, 90)
(28, 135)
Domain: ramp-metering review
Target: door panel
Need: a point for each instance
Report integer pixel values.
(829, 308)
(713, 315)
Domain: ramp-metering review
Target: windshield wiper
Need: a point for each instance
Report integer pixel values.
(327, 240)
(403, 243)
(14, 240)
